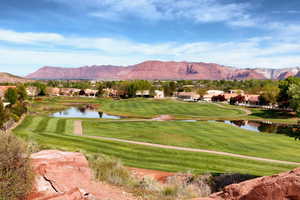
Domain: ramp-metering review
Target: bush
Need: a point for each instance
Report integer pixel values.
(109, 169)
(16, 176)
(224, 180)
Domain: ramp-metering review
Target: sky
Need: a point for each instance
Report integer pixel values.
(74, 33)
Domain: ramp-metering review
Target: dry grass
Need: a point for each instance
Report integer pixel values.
(180, 186)
(16, 176)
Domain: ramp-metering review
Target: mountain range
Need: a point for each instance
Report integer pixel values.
(9, 78)
(159, 70)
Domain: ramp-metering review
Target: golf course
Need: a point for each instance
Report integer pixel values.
(59, 133)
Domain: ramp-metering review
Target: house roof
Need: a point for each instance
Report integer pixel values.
(252, 97)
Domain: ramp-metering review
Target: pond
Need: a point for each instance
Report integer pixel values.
(83, 112)
(267, 127)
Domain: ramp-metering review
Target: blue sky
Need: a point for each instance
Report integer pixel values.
(72, 33)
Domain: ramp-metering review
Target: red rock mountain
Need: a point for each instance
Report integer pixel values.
(158, 70)
(9, 78)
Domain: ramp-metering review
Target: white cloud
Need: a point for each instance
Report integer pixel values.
(200, 11)
(26, 38)
(77, 51)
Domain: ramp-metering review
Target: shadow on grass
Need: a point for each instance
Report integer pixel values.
(274, 114)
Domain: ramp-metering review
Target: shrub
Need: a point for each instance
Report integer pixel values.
(223, 180)
(109, 169)
(16, 176)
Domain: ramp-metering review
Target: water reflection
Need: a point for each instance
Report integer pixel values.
(83, 112)
(267, 127)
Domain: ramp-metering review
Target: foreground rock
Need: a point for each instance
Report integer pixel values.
(285, 186)
(67, 176)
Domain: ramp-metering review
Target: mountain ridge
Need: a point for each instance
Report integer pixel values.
(162, 70)
(10, 78)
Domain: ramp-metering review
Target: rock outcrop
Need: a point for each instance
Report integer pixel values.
(284, 186)
(67, 176)
(158, 70)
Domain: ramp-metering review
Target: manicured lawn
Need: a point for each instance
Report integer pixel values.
(147, 108)
(204, 135)
(44, 131)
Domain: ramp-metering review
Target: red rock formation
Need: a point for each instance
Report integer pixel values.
(285, 186)
(157, 70)
(67, 176)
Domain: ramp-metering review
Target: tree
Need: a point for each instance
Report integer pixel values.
(100, 90)
(237, 99)
(294, 93)
(270, 93)
(219, 98)
(3, 115)
(284, 85)
(11, 96)
(21, 93)
(201, 92)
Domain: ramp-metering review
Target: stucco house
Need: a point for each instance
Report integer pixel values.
(188, 96)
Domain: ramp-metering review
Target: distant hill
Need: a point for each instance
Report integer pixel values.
(158, 70)
(9, 78)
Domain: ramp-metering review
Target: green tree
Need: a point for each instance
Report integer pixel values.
(270, 93)
(100, 89)
(284, 85)
(11, 96)
(3, 115)
(294, 94)
(21, 93)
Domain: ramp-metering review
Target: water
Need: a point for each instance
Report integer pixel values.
(82, 112)
(257, 126)
(267, 127)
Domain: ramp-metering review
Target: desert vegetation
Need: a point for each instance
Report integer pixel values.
(16, 176)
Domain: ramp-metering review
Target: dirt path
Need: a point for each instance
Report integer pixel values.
(196, 150)
(78, 128)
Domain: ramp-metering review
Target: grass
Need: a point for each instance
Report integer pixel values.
(148, 108)
(203, 135)
(140, 156)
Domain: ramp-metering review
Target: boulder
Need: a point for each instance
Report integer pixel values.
(67, 176)
(284, 186)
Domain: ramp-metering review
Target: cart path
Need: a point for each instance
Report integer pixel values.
(78, 128)
(78, 131)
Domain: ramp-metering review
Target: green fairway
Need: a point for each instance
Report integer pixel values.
(147, 108)
(44, 131)
(203, 135)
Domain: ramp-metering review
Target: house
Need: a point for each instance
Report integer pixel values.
(159, 94)
(252, 99)
(53, 91)
(211, 93)
(5, 104)
(207, 97)
(228, 96)
(238, 92)
(142, 93)
(90, 92)
(66, 91)
(109, 92)
(32, 91)
(3, 90)
(188, 96)
(215, 92)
